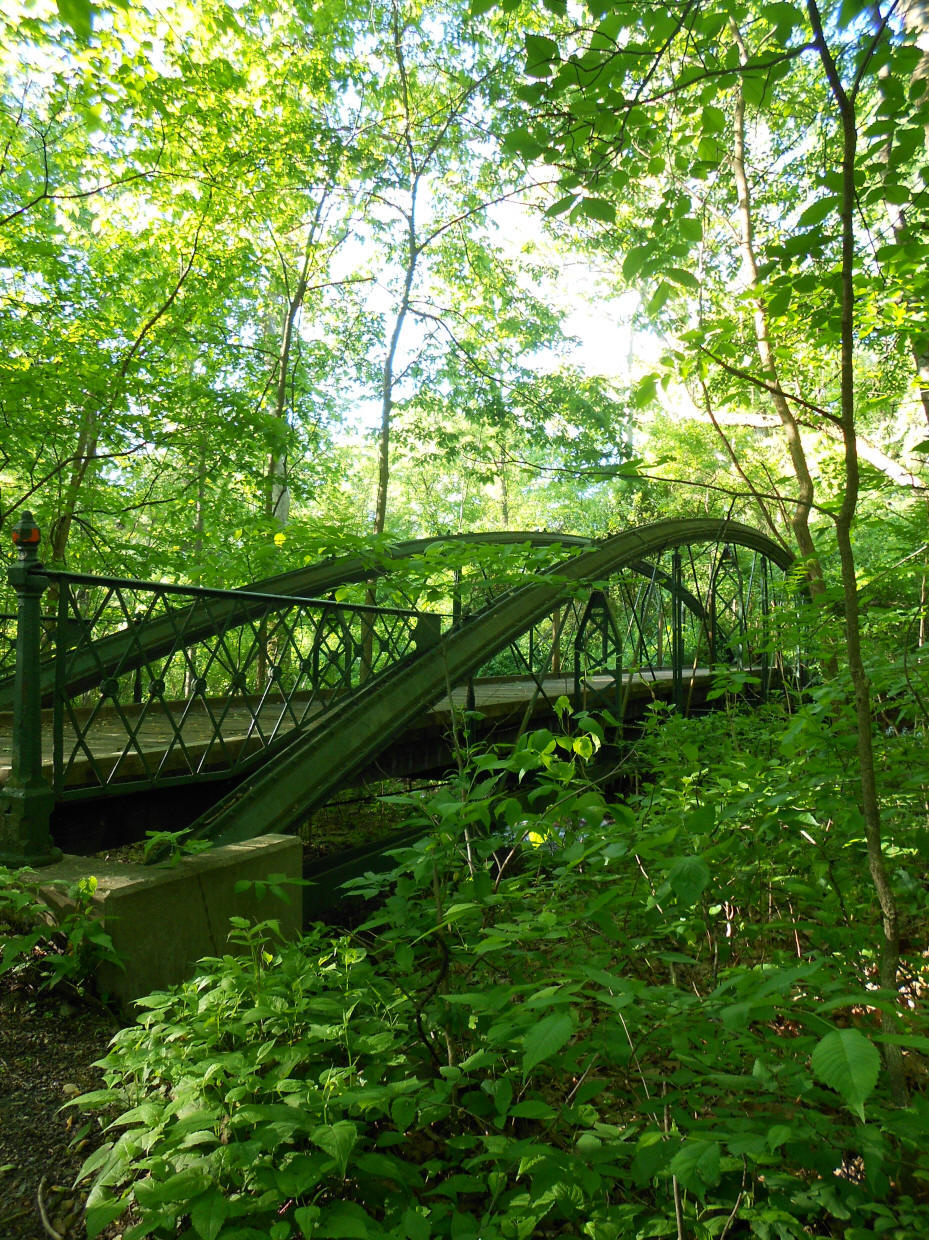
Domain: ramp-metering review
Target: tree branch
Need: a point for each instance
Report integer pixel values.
(767, 386)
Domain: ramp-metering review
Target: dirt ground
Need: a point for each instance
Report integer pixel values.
(48, 1045)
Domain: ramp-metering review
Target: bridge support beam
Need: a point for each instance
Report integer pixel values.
(26, 799)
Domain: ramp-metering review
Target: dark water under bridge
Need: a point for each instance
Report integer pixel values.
(128, 704)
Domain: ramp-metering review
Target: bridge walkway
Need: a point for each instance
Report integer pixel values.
(276, 699)
(246, 726)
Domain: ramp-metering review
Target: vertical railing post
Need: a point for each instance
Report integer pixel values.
(26, 799)
(677, 630)
(765, 630)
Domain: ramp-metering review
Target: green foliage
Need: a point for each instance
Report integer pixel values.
(169, 848)
(204, 262)
(848, 1063)
(566, 1016)
(58, 948)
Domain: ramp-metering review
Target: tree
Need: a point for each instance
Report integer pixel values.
(158, 258)
(767, 253)
(436, 170)
(209, 261)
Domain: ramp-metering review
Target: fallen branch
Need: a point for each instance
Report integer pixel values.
(49, 1229)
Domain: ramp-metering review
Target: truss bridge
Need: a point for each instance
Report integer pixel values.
(123, 703)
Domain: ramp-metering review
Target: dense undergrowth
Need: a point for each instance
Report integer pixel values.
(51, 952)
(566, 1017)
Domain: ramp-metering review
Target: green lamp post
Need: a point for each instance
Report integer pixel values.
(26, 799)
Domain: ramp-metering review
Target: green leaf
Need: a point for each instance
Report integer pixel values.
(784, 18)
(562, 205)
(895, 192)
(708, 149)
(540, 53)
(522, 142)
(777, 1135)
(696, 1165)
(583, 747)
(182, 1186)
(78, 14)
(645, 392)
(597, 209)
(502, 1094)
(682, 278)
(848, 1063)
(208, 1213)
(303, 1172)
(545, 1039)
(689, 878)
(659, 297)
(635, 260)
(534, 1108)
(306, 1218)
(346, 1221)
(99, 1216)
(817, 211)
(338, 1140)
(653, 1155)
(540, 47)
(402, 1112)
(415, 1227)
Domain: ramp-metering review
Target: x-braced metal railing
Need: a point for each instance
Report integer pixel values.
(140, 684)
(679, 618)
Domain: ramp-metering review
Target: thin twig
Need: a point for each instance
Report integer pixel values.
(735, 1209)
(49, 1229)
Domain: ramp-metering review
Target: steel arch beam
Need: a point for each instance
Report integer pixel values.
(343, 741)
(123, 652)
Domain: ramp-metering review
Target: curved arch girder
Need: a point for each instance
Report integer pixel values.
(121, 653)
(340, 743)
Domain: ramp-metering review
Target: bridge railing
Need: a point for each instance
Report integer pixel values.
(668, 620)
(143, 684)
(7, 643)
(677, 617)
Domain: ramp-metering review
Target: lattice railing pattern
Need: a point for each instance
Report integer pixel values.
(168, 682)
(691, 610)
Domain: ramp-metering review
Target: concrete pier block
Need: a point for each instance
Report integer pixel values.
(163, 919)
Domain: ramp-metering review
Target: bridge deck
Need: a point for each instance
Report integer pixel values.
(246, 728)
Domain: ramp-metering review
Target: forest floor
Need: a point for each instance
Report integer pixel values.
(48, 1045)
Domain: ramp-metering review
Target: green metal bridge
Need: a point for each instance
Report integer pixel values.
(251, 707)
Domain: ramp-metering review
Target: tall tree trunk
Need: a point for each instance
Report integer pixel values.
(413, 250)
(916, 22)
(800, 517)
(504, 491)
(277, 491)
(195, 572)
(388, 376)
(870, 804)
(84, 453)
(199, 516)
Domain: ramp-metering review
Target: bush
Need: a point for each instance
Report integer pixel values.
(58, 950)
(567, 1018)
